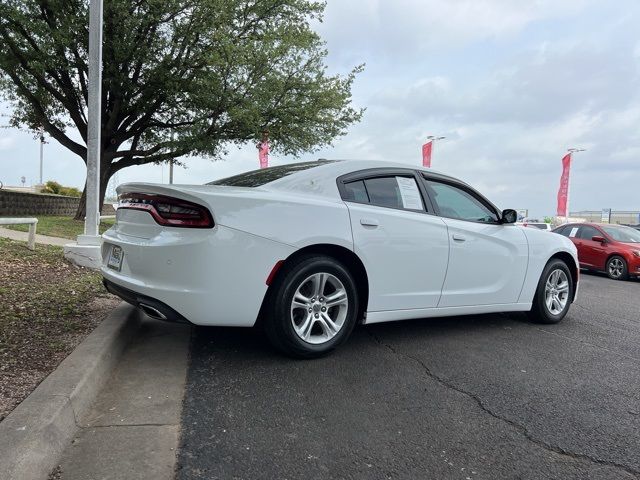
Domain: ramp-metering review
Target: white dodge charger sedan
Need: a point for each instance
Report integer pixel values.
(310, 249)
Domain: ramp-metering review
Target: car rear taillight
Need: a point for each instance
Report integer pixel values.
(168, 211)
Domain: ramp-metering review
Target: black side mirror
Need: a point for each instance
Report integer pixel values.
(509, 216)
(598, 238)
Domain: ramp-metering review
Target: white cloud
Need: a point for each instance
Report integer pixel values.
(6, 142)
(401, 26)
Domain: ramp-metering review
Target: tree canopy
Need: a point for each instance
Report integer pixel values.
(180, 77)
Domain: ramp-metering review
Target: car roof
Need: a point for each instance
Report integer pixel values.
(322, 179)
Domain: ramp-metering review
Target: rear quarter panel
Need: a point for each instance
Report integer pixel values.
(295, 220)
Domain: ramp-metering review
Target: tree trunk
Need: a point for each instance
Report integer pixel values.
(82, 206)
(105, 176)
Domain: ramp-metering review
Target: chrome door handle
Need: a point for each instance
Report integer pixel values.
(459, 238)
(369, 222)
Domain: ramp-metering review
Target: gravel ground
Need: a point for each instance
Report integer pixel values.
(483, 397)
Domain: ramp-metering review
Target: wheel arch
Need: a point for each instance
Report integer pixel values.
(345, 256)
(568, 259)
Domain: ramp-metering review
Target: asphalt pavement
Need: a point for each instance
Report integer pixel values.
(482, 397)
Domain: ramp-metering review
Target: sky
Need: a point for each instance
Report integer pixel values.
(511, 84)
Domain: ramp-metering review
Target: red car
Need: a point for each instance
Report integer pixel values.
(613, 249)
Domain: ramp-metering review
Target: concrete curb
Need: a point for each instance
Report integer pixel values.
(34, 435)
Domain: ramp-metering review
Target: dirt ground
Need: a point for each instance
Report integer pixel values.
(47, 307)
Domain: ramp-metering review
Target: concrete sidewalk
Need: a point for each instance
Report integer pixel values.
(132, 430)
(42, 239)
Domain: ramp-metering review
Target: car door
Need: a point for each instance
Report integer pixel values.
(590, 253)
(403, 245)
(487, 260)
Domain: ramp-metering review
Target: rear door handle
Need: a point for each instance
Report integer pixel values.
(369, 222)
(459, 238)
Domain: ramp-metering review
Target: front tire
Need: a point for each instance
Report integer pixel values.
(617, 268)
(554, 293)
(312, 307)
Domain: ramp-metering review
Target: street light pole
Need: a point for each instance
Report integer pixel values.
(434, 139)
(86, 251)
(94, 105)
(571, 151)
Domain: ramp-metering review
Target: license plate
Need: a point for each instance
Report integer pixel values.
(115, 258)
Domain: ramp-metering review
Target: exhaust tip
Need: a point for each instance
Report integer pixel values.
(152, 311)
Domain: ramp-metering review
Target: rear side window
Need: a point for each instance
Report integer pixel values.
(384, 192)
(392, 192)
(257, 178)
(356, 192)
(563, 231)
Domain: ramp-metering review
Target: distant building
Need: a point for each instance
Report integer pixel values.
(629, 217)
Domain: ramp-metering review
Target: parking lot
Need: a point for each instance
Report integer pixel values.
(490, 396)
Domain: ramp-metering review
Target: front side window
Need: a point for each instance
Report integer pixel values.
(455, 202)
(623, 234)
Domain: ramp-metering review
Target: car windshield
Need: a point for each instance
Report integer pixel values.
(257, 178)
(623, 234)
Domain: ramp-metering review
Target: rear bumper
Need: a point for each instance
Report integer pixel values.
(152, 307)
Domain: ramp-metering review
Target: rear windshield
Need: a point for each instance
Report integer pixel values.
(257, 178)
(541, 226)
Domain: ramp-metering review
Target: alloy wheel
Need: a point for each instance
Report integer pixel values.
(616, 268)
(319, 308)
(556, 291)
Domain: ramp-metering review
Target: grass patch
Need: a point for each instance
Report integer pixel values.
(48, 307)
(62, 227)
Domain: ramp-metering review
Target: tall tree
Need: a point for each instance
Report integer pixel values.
(180, 77)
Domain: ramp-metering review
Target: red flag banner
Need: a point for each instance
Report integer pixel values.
(563, 191)
(263, 154)
(426, 154)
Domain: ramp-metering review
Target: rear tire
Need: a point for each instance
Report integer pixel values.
(312, 307)
(617, 268)
(554, 293)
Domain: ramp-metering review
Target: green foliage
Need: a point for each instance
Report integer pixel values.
(548, 219)
(57, 189)
(180, 77)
